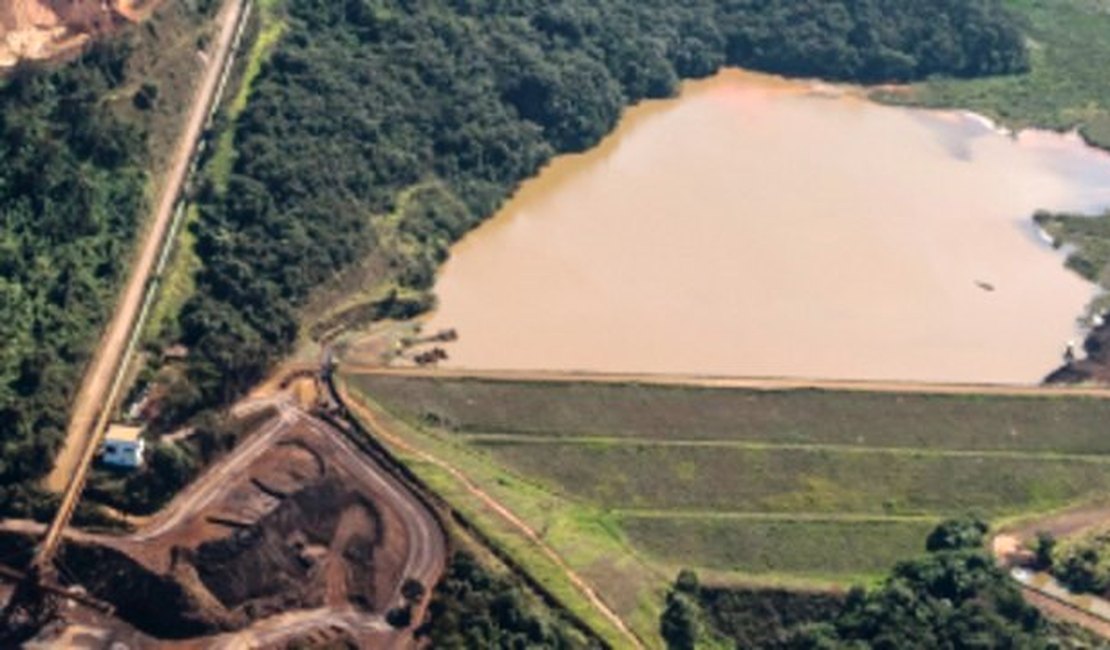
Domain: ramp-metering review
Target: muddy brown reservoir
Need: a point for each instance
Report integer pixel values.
(754, 226)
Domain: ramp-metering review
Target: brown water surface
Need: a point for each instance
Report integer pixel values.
(755, 226)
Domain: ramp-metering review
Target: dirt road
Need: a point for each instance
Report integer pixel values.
(753, 383)
(425, 554)
(377, 425)
(102, 381)
(1011, 547)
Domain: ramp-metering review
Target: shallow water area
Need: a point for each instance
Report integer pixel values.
(761, 227)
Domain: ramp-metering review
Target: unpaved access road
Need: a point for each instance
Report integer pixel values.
(1011, 548)
(379, 428)
(92, 397)
(425, 552)
(425, 561)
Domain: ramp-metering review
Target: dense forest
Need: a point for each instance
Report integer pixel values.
(472, 608)
(71, 191)
(953, 596)
(75, 152)
(392, 127)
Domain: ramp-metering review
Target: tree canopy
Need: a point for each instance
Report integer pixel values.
(953, 596)
(71, 191)
(472, 608)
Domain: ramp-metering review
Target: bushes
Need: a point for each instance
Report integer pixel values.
(681, 626)
(955, 596)
(471, 608)
(700, 616)
(1082, 564)
(71, 190)
(764, 618)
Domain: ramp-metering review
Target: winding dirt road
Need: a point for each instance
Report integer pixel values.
(425, 557)
(376, 424)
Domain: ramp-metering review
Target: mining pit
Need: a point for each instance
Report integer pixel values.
(293, 536)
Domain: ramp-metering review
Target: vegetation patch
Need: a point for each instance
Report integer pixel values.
(1065, 87)
(1082, 563)
(177, 285)
(763, 618)
(473, 608)
(841, 550)
(76, 140)
(782, 487)
(1087, 240)
(856, 419)
(953, 596)
(802, 479)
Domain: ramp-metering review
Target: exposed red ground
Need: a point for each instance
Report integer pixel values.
(296, 535)
(42, 29)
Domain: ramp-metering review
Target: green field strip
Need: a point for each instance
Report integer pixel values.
(1057, 424)
(848, 551)
(1066, 87)
(803, 480)
(763, 487)
(833, 517)
(499, 438)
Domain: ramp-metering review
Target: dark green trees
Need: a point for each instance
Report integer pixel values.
(955, 596)
(473, 609)
(680, 625)
(71, 190)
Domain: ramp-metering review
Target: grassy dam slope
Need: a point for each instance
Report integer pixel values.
(628, 482)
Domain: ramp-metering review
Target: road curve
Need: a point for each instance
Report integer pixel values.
(109, 357)
(426, 553)
(371, 419)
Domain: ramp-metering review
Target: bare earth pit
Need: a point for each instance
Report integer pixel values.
(291, 536)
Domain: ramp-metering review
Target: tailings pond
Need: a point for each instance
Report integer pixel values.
(761, 227)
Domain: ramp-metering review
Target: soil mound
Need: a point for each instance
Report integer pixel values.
(282, 561)
(157, 605)
(42, 29)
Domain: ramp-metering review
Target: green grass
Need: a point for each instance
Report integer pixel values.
(271, 29)
(629, 482)
(1088, 239)
(862, 550)
(589, 540)
(801, 479)
(866, 420)
(178, 282)
(1070, 41)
